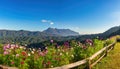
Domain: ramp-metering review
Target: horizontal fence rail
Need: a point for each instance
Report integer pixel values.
(5, 67)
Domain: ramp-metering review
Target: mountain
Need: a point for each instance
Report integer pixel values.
(20, 33)
(61, 32)
(48, 32)
(116, 32)
(112, 31)
(23, 36)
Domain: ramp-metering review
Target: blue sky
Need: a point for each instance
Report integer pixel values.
(83, 16)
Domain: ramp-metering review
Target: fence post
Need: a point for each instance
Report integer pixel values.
(89, 61)
(113, 46)
(106, 51)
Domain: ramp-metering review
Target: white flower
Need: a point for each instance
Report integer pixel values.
(46, 48)
(24, 48)
(21, 47)
(90, 44)
(59, 50)
(25, 44)
(60, 54)
(71, 48)
(33, 49)
(67, 53)
(52, 66)
(28, 54)
(32, 52)
(72, 55)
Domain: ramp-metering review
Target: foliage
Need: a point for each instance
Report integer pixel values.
(53, 55)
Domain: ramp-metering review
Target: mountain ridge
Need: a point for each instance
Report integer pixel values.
(47, 32)
(61, 32)
(23, 36)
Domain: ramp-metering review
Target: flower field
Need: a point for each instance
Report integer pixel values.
(53, 55)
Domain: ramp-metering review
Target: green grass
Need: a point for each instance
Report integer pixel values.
(112, 61)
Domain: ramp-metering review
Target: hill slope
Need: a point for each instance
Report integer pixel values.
(112, 31)
(20, 33)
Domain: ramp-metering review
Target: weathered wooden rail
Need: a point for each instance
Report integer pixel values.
(5, 67)
(103, 52)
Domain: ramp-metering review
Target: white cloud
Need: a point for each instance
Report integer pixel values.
(44, 21)
(47, 21)
(51, 23)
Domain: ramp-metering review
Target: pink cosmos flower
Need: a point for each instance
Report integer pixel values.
(12, 62)
(41, 54)
(51, 41)
(89, 41)
(45, 51)
(4, 48)
(16, 46)
(48, 62)
(23, 53)
(8, 46)
(17, 55)
(5, 52)
(22, 62)
(84, 47)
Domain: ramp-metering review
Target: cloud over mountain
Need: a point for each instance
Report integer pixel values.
(47, 21)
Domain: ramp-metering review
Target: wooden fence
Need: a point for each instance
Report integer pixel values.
(89, 61)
